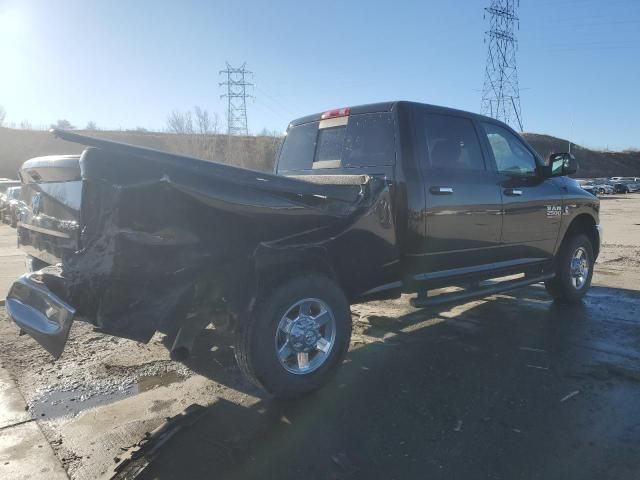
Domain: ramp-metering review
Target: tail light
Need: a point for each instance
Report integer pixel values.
(338, 112)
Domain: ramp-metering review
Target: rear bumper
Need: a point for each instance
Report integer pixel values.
(40, 312)
(48, 244)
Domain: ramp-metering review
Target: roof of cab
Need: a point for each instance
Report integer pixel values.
(388, 107)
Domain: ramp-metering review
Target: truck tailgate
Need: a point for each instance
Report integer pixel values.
(49, 216)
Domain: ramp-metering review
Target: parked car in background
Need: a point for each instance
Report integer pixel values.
(633, 186)
(11, 206)
(603, 188)
(625, 179)
(588, 186)
(3, 205)
(620, 187)
(6, 183)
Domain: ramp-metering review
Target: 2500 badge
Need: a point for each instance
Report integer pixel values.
(557, 210)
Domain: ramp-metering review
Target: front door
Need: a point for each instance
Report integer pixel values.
(463, 203)
(532, 204)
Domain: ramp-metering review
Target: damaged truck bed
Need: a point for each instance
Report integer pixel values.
(169, 243)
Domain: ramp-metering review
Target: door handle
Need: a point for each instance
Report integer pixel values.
(512, 192)
(441, 190)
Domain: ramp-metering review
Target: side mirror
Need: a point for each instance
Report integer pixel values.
(561, 164)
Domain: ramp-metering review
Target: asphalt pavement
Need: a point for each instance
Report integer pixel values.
(508, 387)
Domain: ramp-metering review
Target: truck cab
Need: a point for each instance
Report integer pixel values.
(471, 199)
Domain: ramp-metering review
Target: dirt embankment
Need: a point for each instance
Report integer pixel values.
(258, 153)
(593, 163)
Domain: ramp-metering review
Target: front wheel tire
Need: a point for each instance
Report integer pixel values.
(295, 337)
(574, 270)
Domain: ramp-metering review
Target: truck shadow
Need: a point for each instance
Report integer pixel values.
(473, 391)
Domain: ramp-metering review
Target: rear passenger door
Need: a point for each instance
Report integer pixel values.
(463, 202)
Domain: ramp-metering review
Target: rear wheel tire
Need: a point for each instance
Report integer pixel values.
(295, 337)
(574, 270)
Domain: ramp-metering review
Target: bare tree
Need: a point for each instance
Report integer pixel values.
(198, 122)
(25, 125)
(91, 125)
(3, 115)
(205, 123)
(180, 122)
(63, 124)
(197, 130)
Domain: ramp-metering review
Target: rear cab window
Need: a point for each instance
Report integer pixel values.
(361, 140)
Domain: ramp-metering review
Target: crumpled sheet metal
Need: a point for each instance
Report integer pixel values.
(164, 235)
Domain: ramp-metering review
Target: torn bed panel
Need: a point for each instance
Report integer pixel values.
(164, 237)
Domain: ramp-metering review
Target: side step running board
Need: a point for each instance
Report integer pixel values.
(422, 302)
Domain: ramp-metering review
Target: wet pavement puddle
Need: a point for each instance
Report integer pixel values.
(70, 402)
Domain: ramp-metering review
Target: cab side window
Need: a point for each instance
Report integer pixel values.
(512, 157)
(452, 143)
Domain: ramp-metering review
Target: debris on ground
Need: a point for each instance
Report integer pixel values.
(570, 395)
(343, 462)
(531, 349)
(539, 367)
(138, 458)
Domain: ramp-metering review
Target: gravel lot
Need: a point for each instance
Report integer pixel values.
(481, 390)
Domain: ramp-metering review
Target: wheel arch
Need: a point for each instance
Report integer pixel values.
(275, 267)
(585, 224)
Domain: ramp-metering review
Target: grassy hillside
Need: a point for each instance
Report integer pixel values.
(258, 153)
(592, 163)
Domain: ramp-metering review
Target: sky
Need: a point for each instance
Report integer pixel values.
(125, 64)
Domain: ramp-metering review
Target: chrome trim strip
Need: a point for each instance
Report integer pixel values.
(326, 164)
(43, 255)
(53, 233)
(333, 122)
(488, 267)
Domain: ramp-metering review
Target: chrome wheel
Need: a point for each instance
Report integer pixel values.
(579, 268)
(305, 336)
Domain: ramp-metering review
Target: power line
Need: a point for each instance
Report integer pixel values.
(236, 96)
(500, 92)
(281, 106)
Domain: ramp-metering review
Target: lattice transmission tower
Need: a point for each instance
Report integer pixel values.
(500, 92)
(236, 83)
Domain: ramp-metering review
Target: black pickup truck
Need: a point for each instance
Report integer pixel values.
(365, 203)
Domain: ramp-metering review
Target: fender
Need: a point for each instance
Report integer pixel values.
(580, 213)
